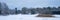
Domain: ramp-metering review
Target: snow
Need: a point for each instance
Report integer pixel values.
(27, 17)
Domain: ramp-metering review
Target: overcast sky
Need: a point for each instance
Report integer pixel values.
(31, 3)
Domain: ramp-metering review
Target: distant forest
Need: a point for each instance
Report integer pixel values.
(4, 10)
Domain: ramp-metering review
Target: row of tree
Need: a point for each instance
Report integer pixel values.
(38, 10)
(5, 10)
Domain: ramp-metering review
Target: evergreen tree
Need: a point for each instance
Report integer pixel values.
(6, 8)
(32, 11)
(58, 6)
(24, 10)
(15, 10)
(0, 7)
(48, 10)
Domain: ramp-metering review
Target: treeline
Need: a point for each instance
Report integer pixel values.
(39, 10)
(4, 10)
(25, 10)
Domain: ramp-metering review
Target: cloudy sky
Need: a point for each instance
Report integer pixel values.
(31, 3)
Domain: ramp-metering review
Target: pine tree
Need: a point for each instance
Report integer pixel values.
(0, 7)
(24, 10)
(32, 11)
(15, 10)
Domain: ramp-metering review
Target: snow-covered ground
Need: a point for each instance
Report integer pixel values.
(27, 17)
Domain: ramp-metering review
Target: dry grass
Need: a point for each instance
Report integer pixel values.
(45, 15)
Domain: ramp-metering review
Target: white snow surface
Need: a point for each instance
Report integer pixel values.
(27, 17)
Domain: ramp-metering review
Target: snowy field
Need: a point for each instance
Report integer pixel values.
(27, 17)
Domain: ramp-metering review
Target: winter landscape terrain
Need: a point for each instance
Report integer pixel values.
(16, 9)
(28, 17)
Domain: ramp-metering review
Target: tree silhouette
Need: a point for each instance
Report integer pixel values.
(24, 10)
(33, 11)
(16, 10)
(58, 6)
(0, 7)
(48, 11)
